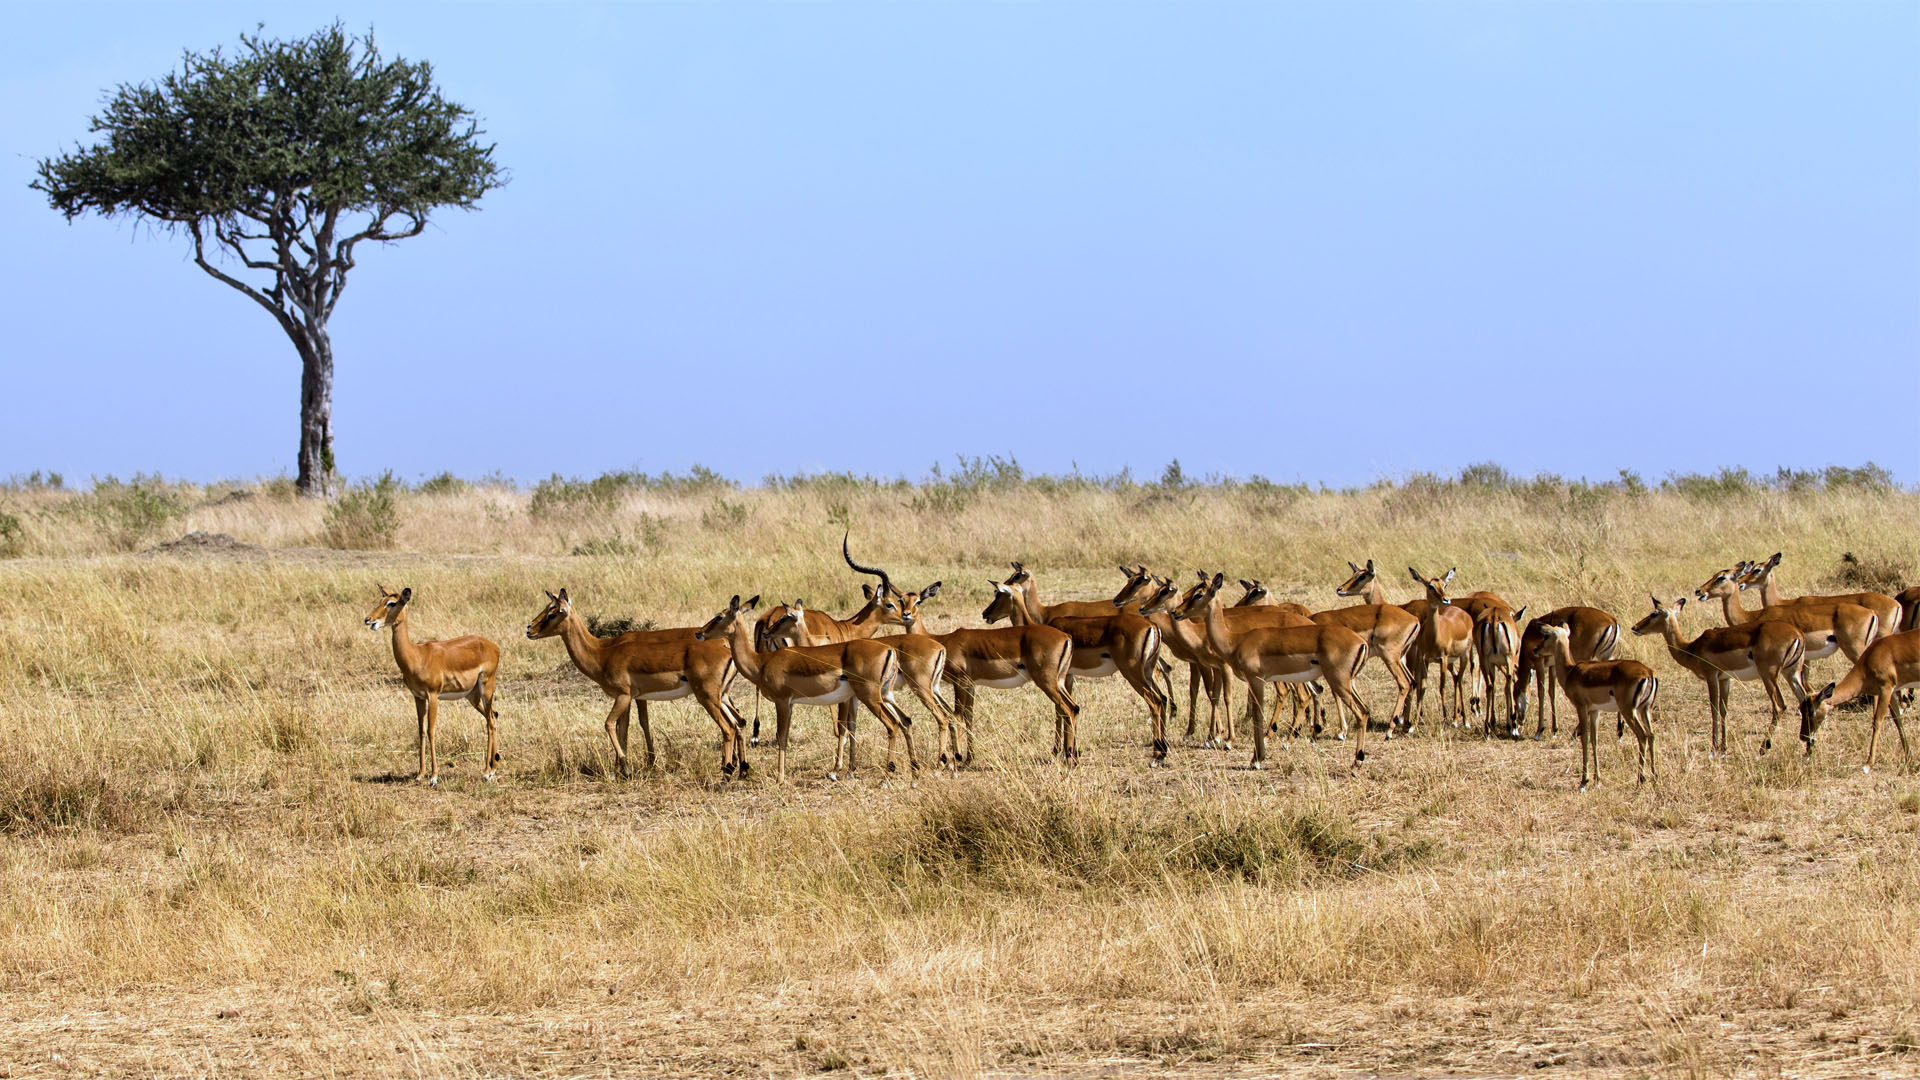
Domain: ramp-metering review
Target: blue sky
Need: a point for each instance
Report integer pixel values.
(1320, 242)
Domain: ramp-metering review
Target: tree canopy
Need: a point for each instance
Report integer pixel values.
(279, 159)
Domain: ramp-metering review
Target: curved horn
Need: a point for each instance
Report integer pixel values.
(886, 585)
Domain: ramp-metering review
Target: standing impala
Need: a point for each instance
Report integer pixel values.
(1760, 576)
(1022, 579)
(1203, 669)
(1627, 688)
(1276, 654)
(1762, 650)
(1496, 645)
(1592, 634)
(454, 669)
(859, 670)
(1002, 658)
(1888, 666)
(1122, 643)
(644, 666)
(1390, 631)
(1825, 628)
(1446, 638)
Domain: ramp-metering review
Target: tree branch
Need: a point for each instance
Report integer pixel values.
(200, 259)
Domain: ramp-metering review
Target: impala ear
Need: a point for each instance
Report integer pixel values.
(1247, 585)
(866, 591)
(1680, 604)
(406, 594)
(752, 602)
(382, 588)
(563, 596)
(1449, 578)
(1826, 693)
(1219, 580)
(930, 592)
(1521, 614)
(734, 604)
(1656, 601)
(1351, 565)
(1369, 566)
(550, 595)
(1416, 575)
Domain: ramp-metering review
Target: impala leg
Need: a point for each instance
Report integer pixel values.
(1257, 688)
(963, 708)
(842, 740)
(646, 729)
(715, 702)
(482, 700)
(782, 723)
(1194, 678)
(1343, 691)
(1899, 728)
(1142, 683)
(432, 764)
(420, 733)
(617, 732)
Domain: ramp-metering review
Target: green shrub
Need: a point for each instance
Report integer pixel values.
(366, 517)
(130, 513)
(444, 483)
(13, 536)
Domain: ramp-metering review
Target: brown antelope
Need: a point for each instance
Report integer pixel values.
(1760, 576)
(1275, 654)
(861, 670)
(1496, 645)
(462, 667)
(1888, 666)
(1022, 579)
(1390, 631)
(1446, 638)
(1002, 658)
(1762, 650)
(1627, 688)
(1187, 640)
(1115, 643)
(643, 666)
(1592, 635)
(1825, 628)
(1909, 599)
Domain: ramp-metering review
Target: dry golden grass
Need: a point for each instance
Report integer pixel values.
(213, 864)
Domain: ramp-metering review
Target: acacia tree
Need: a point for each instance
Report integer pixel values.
(278, 161)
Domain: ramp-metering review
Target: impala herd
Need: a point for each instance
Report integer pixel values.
(795, 656)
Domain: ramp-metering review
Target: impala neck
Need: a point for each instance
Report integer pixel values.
(865, 623)
(405, 652)
(1218, 636)
(1030, 600)
(740, 641)
(586, 650)
(1680, 649)
(1768, 596)
(1371, 593)
(1731, 610)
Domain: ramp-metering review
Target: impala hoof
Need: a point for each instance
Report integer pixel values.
(1766, 745)
(1256, 766)
(433, 781)
(833, 776)
(1341, 736)
(754, 741)
(1866, 768)
(487, 776)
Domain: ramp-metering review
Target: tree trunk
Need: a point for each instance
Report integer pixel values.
(316, 478)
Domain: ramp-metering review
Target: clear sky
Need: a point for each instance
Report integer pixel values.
(1321, 242)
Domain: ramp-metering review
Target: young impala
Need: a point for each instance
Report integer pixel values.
(454, 669)
(1764, 651)
(1626, 688)
(644, 666)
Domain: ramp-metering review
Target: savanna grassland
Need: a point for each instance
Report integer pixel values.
(216, 861)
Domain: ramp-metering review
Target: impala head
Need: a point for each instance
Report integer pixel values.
(1020, 577)
(908, 610)
(722, 624)
(1655, 621)
(1436, 587)
(885, 601)
(1004, 604)
(1722, 583)
(1165, 599)
(1256, 591)
(389, 607)
(1139, 584)
(1362, 577)
(1194, 605)
(551, 618)
(1756, 574)
(1813, 713)
(1555, 638)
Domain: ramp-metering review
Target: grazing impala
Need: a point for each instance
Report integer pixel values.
(1825, 628)
(1889, 666)
(1592, 635)
(1446, 638)
(454, 669)
(1122, 643)
(1762, 650)
(1627, 688)
(859, 670)
(1275, 654)
(1002, 658)
(1760, 576)
(645, 666)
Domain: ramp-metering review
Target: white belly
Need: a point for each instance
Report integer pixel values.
(1820, 647)
(843, 692)
(1012, 682)
(1105, 667)
(1308, 675)
(667, 695)
(1606, 704)
(457, 695)
(1745, 674)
